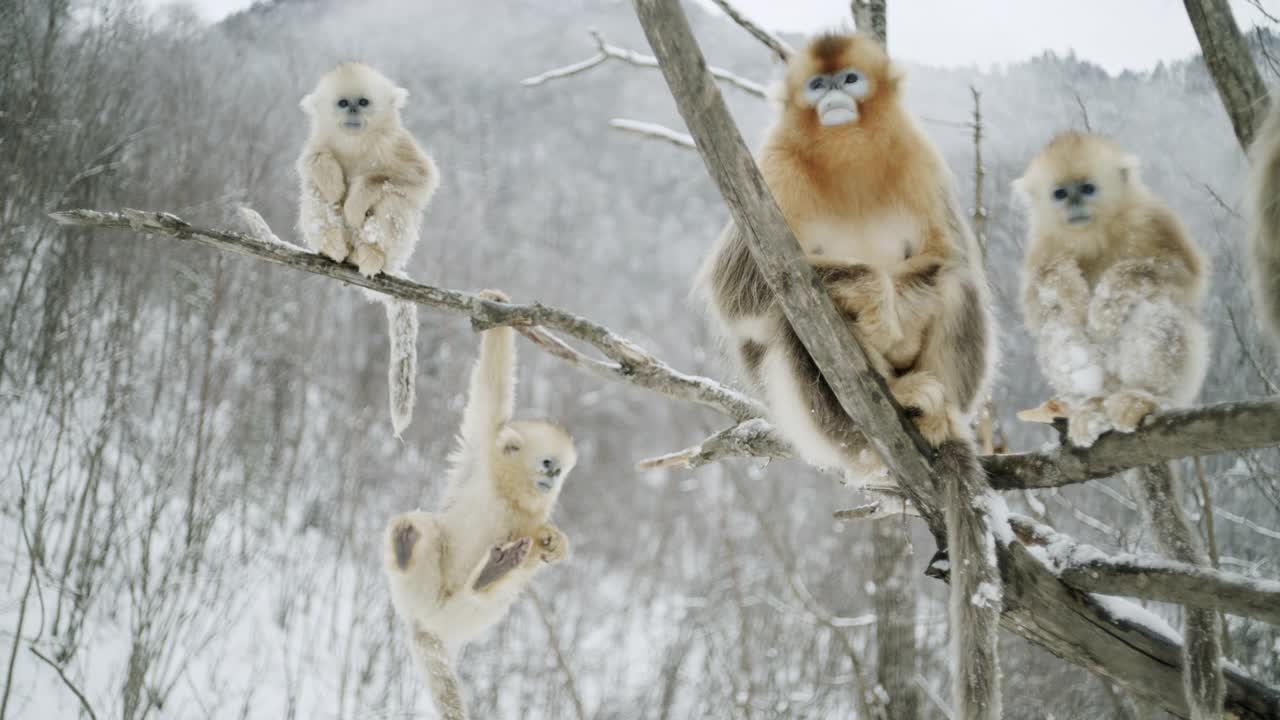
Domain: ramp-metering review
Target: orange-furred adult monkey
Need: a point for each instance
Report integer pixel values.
(872, 204)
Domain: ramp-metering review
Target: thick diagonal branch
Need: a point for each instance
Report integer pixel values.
(627, 361)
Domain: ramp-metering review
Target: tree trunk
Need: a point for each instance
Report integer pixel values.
(1226, 54)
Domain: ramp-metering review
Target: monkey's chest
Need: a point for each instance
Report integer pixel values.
(882, 240)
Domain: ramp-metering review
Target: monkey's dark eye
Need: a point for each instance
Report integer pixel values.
(1088, 188)
(851, 78)
(363, 102)
(815, 83)
(1059, 193)
(343, 103)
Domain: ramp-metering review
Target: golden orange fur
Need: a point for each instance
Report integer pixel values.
(871, 203)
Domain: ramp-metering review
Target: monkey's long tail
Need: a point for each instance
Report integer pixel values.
(1158, 486)
(402, 366)
(1264, 219)
(437, 668)
(976, 590)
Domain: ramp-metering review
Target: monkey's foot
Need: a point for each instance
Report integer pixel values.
(1128, 408)
(502, 560)
(1048, 411)
(1086, 422)
(552, 544)
(369, 258)
(494, 296)
(404, 536)
(925, 401)
(333, 243)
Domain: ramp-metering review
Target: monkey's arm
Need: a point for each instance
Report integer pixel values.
(325, 174)
(491, 398)
(866, 294)
(1055, 289)
(410, 172)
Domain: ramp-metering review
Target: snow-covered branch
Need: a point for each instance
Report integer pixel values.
(752, 438)
(606, 52)
(626, 361)
(1181, 583)
(1173, 434)
(1088, 569)
(1170, 435)
(658, 132)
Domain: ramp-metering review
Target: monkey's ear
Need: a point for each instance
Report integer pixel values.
(1021, 189)
(1129, 165)
(509, 441)
(399, 96)
(893, 77)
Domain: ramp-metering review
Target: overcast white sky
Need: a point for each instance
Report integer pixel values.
(1116, 34)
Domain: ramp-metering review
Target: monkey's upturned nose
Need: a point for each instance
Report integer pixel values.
(550, 467)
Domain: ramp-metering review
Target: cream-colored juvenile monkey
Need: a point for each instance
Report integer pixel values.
(365, 185)
(457, 571)
(1111, 292)
(1112, 288)
(365, 180)
(872, 204)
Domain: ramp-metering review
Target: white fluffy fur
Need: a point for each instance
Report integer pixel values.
(365, 183)
(501, 488)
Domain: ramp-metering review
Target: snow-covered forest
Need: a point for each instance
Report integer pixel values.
(196, 462)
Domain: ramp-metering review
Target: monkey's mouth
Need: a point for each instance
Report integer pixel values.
(545, 483)
(353, 124)
(1078, 217)
(836, 108)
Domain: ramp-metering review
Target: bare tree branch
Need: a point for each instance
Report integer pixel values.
(631, 57)
(1173, 434)
(755, 438)
(1086, 568)
(652, 130)
(630, 363)
(84, 701)
(780, 49)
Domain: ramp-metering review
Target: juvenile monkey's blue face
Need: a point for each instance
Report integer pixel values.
(353, 111)
(1075, 199)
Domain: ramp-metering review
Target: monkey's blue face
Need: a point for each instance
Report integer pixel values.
(1075, 200)
(353, 112)
(835, 96)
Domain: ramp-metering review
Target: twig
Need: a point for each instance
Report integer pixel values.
(84, 702)
(652, 130)
(554, 639)
(631, 57)
(771, 41)
(753, 438)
